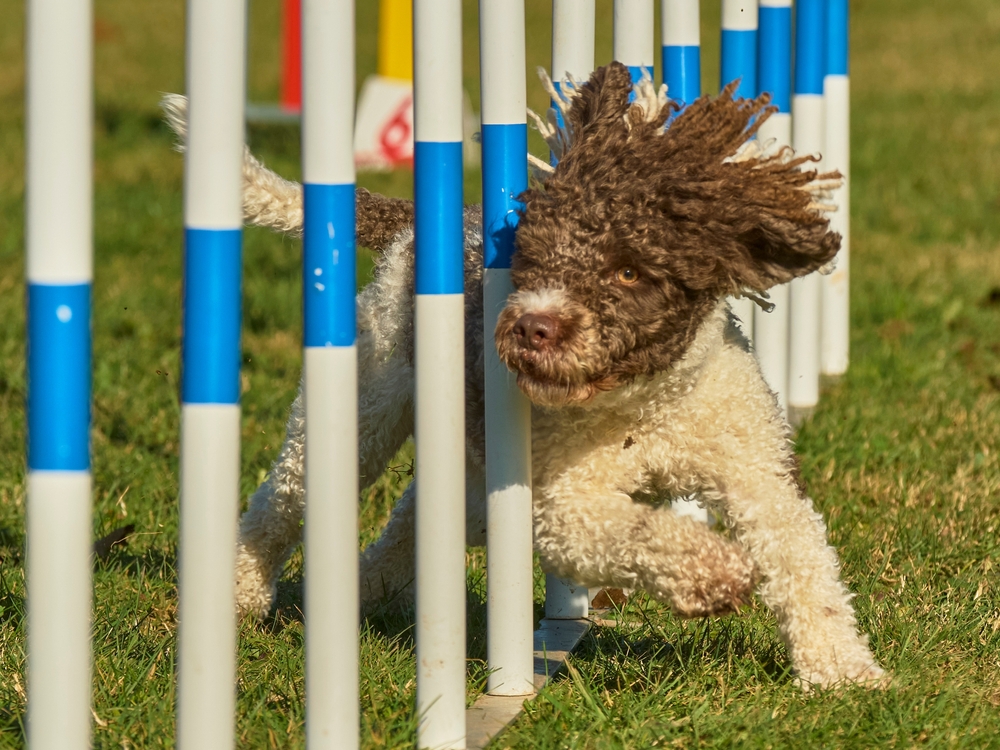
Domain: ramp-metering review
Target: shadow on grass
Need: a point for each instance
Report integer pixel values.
(645, 653)
(150, 563)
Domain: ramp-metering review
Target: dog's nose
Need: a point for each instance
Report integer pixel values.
(537, 331)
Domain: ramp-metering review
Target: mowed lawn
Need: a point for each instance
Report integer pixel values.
(901, 457)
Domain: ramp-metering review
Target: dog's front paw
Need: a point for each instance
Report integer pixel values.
(865, 672)
(719, 579)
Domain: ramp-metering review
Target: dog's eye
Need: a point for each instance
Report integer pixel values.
(627, 275)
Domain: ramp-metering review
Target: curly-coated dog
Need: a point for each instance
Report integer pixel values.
(619, 332)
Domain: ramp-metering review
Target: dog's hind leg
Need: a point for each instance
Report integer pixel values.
(271, 527)
(388, 564)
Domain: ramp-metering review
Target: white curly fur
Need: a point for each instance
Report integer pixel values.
(709, 427)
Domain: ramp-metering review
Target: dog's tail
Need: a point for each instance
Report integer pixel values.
(276, 203)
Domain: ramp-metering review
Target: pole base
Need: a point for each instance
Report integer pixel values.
(798, 415)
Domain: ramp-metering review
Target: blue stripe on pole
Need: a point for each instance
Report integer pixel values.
(58, 377)
(505, 176)
(329, 266)
(555, 108)
(739, 60)
(210, 349)
(837, 37)
(635, 71)
(437, 180)
(810, 57)
(774, 59)
(682, 72)
(559, 119)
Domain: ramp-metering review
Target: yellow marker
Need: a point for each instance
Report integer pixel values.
(395, 39)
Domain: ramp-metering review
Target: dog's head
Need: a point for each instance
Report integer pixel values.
(628, 244)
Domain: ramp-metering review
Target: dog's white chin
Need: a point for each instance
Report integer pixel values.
(553, 395)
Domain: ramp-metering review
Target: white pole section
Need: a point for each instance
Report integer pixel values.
(836, 286)
(59, 238)
(774, 76)
(564, 599)
(573, 28)
(807, 138)
(509, 604)
(633, 36)
(573, 23)
(210, 388)
(329, 283)
(440, 381)
(739, 61)
(680, 22)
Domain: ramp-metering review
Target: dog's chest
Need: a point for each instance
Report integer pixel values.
(628, 450)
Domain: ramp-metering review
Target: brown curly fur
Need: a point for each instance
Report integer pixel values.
(380, 219)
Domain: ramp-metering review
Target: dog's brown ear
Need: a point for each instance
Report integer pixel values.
(779, 225)
(755, 220)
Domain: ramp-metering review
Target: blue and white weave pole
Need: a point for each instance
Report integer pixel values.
(509, 602)
(59, 238)
(681, 34)
(835, 350)
(774, 76)
(573, 35)
(440, 382)
(739, 61)
(633, 36)
(808, 126)
(680, 22)
(329, 283)
(210, 387)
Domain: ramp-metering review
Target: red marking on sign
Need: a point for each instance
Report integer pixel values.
(396, 138)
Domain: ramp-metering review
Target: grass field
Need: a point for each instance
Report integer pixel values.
(902, 455)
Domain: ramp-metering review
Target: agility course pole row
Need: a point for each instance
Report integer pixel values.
(59, 238)
(59, 274)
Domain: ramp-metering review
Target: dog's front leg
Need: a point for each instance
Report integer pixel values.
(786, 537)
(598, 536)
